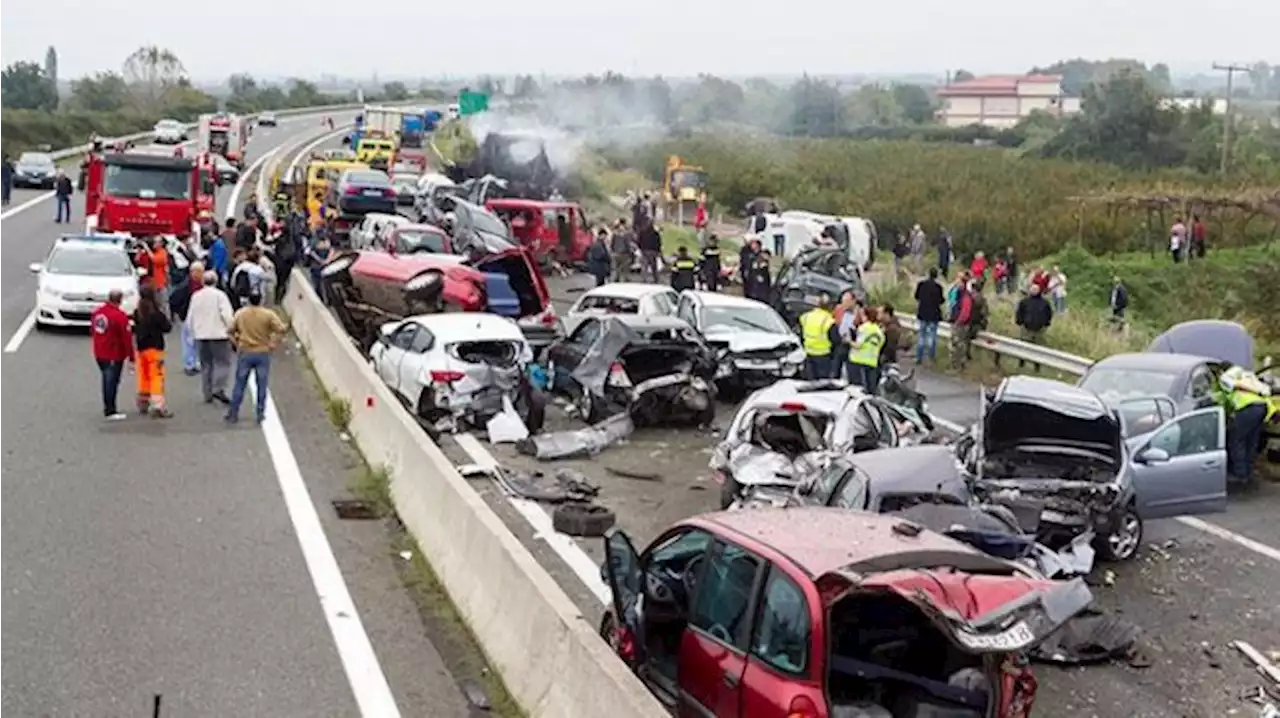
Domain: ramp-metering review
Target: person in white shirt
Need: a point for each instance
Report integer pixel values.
(1058, 290)
(268, 280)
(209, 321)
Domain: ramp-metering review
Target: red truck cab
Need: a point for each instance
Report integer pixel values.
(547, 229)
(143, 195)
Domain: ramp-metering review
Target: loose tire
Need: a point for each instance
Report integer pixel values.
(578, 518)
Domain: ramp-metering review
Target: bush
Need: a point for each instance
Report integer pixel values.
(989, 198)
(27, 129)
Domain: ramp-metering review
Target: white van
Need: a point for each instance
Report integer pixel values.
(798, 229)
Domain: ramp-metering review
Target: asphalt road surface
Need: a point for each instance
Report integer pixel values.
(1192, 591)
(185, 558)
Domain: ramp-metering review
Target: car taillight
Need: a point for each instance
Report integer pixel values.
(446, 377)
(793, 406)
(351, 191)
(389, 192)
(803, 707)
(618, 375)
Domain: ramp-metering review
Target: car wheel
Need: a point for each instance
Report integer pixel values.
(1123, 541)
(578, 518)
(729, 491)
(586, 405)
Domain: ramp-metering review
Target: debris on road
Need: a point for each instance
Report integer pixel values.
(1260, 662)
(1091, 637)
(633, 474)
(578, 443)
(582, 519)
(355, 509)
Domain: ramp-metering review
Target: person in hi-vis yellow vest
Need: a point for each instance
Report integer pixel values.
(864, 351)
(820, 334)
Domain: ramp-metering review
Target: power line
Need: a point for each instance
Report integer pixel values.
(1228, 120)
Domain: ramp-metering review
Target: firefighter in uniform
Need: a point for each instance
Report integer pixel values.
(819, 331)
(864, 352)
(1246, 400)
(683, 271)
(711, 264)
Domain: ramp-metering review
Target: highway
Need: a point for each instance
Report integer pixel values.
(184, 558)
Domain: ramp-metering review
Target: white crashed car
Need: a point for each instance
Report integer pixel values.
(372, 228)
(779, 430)
(456, 367)
(634, 298)
(77, 276)
(762, 348)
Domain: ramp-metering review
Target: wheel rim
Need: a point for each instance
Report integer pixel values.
(1124, 542)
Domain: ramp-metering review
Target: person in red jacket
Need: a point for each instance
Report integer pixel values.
(112, 347)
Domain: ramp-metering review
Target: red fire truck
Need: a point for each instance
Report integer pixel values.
(226, 135)
(145, 195)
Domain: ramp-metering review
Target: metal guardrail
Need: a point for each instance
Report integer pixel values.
(1007, 346)
(292, 112)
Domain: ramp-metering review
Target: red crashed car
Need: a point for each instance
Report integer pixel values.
(823, 613)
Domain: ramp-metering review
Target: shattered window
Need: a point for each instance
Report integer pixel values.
(611, 305)
(782, 633)
(724, 594)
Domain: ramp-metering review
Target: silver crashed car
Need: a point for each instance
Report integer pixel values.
(780, 430)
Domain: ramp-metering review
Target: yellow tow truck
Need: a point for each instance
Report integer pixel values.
(683, 187)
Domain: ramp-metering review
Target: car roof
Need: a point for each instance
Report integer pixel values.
(821, 539)
(517, 203)
(716, 299)
(1155, 361)
(626, 290)
(461, 326)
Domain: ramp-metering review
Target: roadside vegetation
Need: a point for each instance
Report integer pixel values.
(152, 84)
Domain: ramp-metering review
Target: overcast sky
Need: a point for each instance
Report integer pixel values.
(314, 37)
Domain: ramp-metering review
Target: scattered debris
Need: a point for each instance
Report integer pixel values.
(406, 555)
(356, 509)
(633, 474)
(582, 519)
(1091, 637)
(1109, 577)
(476, 696)
(1269, 711)
(1260, 662)
(580, 442)
(506, 427)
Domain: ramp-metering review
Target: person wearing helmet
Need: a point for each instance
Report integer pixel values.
(1245, 398)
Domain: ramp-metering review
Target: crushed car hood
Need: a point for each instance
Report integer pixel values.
(1041, 421)
(750, 340)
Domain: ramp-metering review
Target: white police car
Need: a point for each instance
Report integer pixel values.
(77, 276)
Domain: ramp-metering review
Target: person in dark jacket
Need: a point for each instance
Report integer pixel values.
(1119, 302)
(650, 243)
(892, 335)
(1033, 316)
(6, 180)
(757, 283)
(747, 257)
(284, 255)
(710, 264)
(149, 327)
(929, 301)
(179, 303)
(246, 233)
(683, 271)
(622, 245)
(599, 262)
(62, 189)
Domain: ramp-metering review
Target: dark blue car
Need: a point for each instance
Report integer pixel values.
(360, 191)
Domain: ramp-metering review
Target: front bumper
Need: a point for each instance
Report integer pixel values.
(32, 181)
(756, 373)
(51, 312)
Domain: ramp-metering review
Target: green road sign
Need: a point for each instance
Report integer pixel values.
(470, 103)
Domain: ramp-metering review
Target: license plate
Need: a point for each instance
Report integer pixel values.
(373, 193)
(760, 364)
(1012, 639)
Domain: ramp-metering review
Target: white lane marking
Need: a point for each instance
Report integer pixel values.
(15, 342)
(26, 205)
(1198, 524)
(565, 546)
(1216, 530)
(364, 673)
(244, 178)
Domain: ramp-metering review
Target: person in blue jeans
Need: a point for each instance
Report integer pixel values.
(256, 331)
(62, 189)
(929, 301)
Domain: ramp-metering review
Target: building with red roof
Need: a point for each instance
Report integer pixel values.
(1001, 101)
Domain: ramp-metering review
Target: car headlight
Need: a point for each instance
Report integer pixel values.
(51, 293)
(796, 356)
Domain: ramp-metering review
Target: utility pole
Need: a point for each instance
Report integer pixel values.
(1228, 120)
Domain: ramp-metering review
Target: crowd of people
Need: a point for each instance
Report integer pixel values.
(221, 305)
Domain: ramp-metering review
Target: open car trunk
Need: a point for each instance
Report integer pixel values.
(939, 641)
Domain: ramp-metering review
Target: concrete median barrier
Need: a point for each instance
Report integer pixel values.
(549, 654)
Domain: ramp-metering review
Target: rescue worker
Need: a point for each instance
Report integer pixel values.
(159, 273)
(864, 351)
(112, 347)
(757, 283)
(281, 203)
(149, 327)
(683, 271)
(819, 332)
(710, 265)
(1249, 409)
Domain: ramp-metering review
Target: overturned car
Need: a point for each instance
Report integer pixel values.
(781, 431)
(1059, 452)
(812, 273)
(658, 369)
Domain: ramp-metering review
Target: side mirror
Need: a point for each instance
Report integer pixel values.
(1153, 456)
(35, 267)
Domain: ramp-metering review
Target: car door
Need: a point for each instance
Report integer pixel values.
(564, 356)
(1182, 468)
(713, 650)
(413, 367)
(389, 351)
(782, 668)
(1200, 387)
(687, 309)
